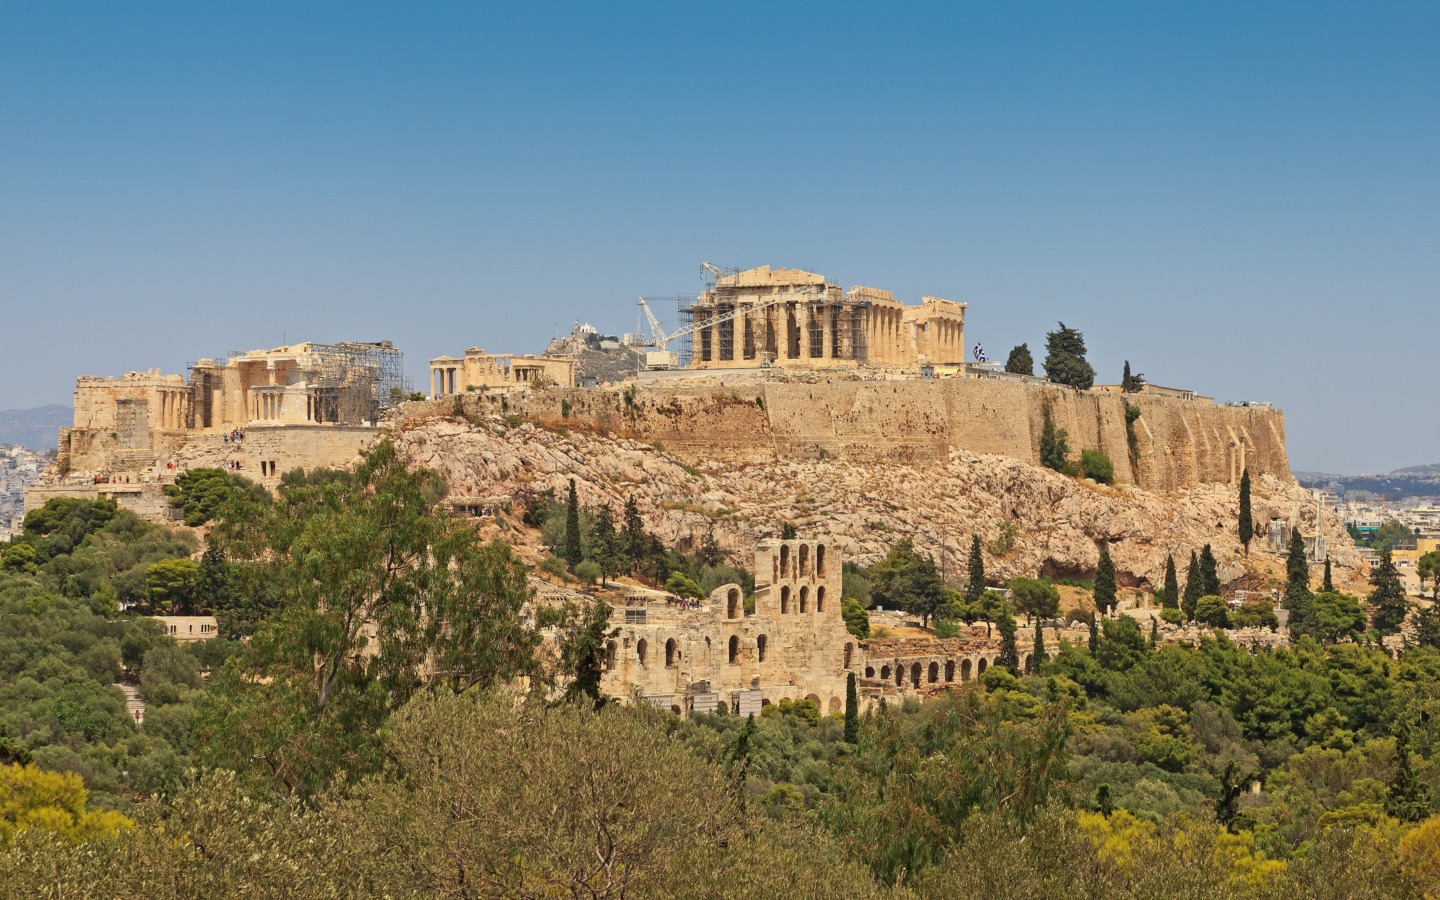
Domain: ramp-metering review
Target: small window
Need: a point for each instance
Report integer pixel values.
(760, 648)
(635, 617)
(734, 649)
(640, 648)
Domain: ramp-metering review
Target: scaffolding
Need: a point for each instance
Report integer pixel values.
(355, 381)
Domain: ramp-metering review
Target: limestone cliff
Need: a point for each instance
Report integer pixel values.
(868, 499)
(1174, 443)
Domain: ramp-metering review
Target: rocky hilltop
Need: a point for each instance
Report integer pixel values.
(1058, 522)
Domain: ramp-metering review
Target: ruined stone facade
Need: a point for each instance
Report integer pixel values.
(480, 370)
(796, 319)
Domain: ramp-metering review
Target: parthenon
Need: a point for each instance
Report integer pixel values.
(798, 319)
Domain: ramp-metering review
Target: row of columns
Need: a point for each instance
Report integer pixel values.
(174, 407)
(819, 333)
(442, 380)
(941, 340)
(269, 405)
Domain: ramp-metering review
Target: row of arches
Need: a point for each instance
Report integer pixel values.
(801, 560)
(917, 673)
(733, 646)
(804, 598)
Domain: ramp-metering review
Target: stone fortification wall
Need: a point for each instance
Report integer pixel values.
(1178, 443)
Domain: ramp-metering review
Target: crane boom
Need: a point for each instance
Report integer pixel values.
(662, 358)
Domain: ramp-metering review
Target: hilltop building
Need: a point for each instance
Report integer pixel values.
(478, 370)
(796, 319)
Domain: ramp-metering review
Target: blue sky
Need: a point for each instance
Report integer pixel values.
(1243, 199)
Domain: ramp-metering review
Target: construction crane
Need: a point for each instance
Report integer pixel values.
(663, 358)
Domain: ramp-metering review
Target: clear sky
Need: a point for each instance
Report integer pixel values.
(1239, 198)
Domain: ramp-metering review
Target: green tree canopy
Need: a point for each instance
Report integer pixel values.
(1065, 361)
(908, 580)
(1034, 598)
(1020, 362)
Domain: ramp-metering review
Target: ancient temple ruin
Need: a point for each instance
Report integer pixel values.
(478, 370)
(797, 319)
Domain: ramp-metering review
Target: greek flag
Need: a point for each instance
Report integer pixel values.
(980, 354)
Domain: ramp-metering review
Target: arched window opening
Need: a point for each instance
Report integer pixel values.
(949, 670)
(804, 560)
(804, 597)
(980, 669)
(734, 649)
(964, 670)
(670, 653)
(675, 709)
(819, 560)
(849, 653)
(1028, 663)
(640, 648)
(870, 672)
(884, 673)
(820, 599)
(733, 604)
(834, 705)
(900, 675)
(610, 656)
(784, 560)
(934, 672)
(785, 599)
(760, 648)
(915, 675)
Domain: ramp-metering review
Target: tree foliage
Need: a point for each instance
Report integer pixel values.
(1065, 361)
(1020, 362)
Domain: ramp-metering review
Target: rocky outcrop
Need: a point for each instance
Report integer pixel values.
(1033, 519)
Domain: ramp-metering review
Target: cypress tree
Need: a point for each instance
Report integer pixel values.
(976, 585)
(1009, 658)
(572, 551)
(852, 711)
(1409, 798)
(1065, 358)
(1037, 655)
(1105, 601)
(215, 586)
(605, 545)
(1297, 585)
(1154, 633)
(1094, 635)
(1387, 599)
(1209, 576)
(1328, 585)
(1247, 522)
(636, 543)
(1172, 585)
(1194, 586)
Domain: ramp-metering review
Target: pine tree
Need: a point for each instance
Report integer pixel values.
(710, 554)
(1172, 585)
(1328, 585)
(1194, 587)
(788, 531)
(1209, 574)
(976, 585)
(1009, 658)
(636, 541)
(215, 585)
(852, 711)
(1037, 654)
(605, 545)
(1065, 358)
(1105, 601)
(1247, 522)
(572, 551)
(1387, 597)
(1020, 361)
(1131, 384)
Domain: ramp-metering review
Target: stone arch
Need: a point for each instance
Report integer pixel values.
(640, 647)
(804, 560)
(1028, 663)
(784, 560)
(764, 701)
(814, 698)
(760, 648)
(870, 672)
(884, 673)
(820, 599)
(849, 653)
(804, 597)
(964, 670)
(610, 656)
(819, 560)
(899, 674)
(734, 649)
(934, 673)
(785, 598)
(980, 667)
(670, 653)
(915, 674)
(834, 705)
(734, 604)
(949, 670)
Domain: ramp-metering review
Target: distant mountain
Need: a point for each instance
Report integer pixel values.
(36, 428)
(1414, 481)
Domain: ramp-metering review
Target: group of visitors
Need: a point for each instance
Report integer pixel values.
(234, 437)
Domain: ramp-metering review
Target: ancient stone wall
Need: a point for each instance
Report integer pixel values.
(1178, 443)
